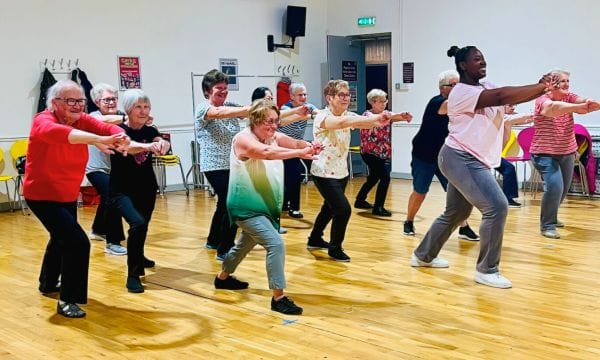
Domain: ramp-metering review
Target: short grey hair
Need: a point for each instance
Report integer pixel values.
(375, 94)
(99, 89)
(559, 72)
(56, 90)
(445, 76)
(132, 97)
(295, 87)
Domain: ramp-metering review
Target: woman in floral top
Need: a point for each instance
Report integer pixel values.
(376, 151)
(331, 128)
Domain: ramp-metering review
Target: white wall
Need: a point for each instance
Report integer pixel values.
(521, 40)
(173, 39)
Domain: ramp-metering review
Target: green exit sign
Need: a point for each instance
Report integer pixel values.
(366, 21)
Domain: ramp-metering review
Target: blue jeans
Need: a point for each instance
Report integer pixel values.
(470, 184)
(510, 186)
(104, 223)
(557, 172)
(68, 251)
(259, 230)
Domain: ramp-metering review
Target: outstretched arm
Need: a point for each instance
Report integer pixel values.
(356, 122)
(516, 94)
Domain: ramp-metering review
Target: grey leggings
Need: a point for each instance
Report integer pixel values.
(471, 183)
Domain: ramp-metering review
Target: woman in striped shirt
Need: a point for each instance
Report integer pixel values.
(554, 147)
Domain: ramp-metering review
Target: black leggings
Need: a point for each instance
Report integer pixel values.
(379, 171)
(336, 209)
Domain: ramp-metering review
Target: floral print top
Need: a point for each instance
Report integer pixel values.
(332, 162)
(376, 141)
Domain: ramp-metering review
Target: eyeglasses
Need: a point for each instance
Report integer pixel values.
(271, 122)
(109, 100)
(450, 85)
(73, 102)
(343, 96)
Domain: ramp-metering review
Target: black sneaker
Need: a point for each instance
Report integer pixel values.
(285, 306)
(149, 263)
(317, 244)
(465, 232)
(134, 285)
(513, 204)
(409, 228)
(381, 211)
(231, 283)
(362, 204)
(296, 214)
(70, 310)
(338, 254)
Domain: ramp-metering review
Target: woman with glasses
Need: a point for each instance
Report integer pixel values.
(331, 127)
(56, 159)
(105, 227)
(255, 197)
(376, 151)
(472, 148)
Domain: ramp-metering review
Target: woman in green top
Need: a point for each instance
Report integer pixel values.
(255, 197)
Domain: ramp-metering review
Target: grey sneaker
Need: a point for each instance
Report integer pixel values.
(552, 234)
(115, 249)
(560, 223)
(435, 263)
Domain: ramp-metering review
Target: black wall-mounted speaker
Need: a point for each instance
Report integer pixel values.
(295, 21)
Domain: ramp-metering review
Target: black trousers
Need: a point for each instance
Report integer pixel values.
(379, 171)
(68, 251)
(292, 182)
(104, 221)
(137, 210)
(336, 209)
(222, 232)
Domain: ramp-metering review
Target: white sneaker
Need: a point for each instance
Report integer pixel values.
(435, 263)
(93, 236)
(282, 230)
(115, 249)
(494, 280)
(560, 223)
(552, 234)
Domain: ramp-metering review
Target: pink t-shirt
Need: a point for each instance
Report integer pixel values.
(553, 135)
(478, 132)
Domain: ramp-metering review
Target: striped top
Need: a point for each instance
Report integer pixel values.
(296, 129)
(553, 135)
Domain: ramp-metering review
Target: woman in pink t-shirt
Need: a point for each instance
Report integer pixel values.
(554, 147)
(472, 148)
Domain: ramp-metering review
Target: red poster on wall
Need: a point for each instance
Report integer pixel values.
(129, 72)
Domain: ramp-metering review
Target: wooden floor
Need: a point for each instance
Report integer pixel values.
(375, 307)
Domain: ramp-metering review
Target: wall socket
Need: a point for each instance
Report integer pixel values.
(401, 87)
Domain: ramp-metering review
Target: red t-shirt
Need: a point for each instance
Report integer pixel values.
(55, 168)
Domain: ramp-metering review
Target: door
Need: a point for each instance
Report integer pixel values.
(346, 61)
(377, 78)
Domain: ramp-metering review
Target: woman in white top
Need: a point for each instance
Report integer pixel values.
(472, 148)
(331, 127)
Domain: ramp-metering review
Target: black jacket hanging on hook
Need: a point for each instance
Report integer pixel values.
(87, 87)
(47, 81)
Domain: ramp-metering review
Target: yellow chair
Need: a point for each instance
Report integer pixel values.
(19, 149)
(352, 150)
(5, 179)
(160, 163)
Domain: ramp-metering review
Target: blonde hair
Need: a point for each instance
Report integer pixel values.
(258, 111)
(334, 86)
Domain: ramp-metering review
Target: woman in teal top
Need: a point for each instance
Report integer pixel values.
(255, 196)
